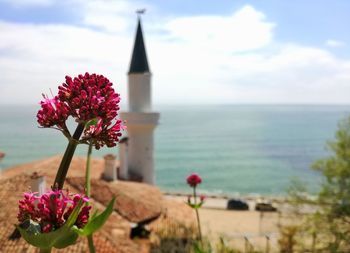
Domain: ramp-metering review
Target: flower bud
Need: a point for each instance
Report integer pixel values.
(194, 179)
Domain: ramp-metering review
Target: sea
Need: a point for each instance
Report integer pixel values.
(237, 149)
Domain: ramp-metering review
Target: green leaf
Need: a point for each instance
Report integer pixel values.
(203, 247)
(198, 248)
(68, 239)
(94, 215)
(74, 215)
(92, 122)
(195, 206)
(97, 221)
(60, 238)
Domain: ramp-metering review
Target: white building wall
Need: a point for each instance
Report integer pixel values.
(141, 154)
(139, 92)
(140, 127)
(38, 183)
(123, 157)
(110, 170)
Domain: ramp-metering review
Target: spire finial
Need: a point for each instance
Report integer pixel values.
(140, 12)
(139, 63)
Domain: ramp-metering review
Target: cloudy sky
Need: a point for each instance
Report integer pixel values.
(217, 52)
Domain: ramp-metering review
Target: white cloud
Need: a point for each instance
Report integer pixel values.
(52, 51)
(293, 74)
(107, 15)
(115, 16)
(334, 43)
(289, 74)
(26, 3)
(244, 30)
(201, 59)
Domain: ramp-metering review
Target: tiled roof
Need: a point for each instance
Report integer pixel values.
(113, 238)
(135, 202)
(10, 192)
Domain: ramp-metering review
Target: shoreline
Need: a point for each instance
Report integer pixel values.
(247, 197)
(218, 202)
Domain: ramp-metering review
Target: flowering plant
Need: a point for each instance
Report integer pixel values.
(55, 219)
(91, 100)
(47, 221)
(193, 180)
(52, 209)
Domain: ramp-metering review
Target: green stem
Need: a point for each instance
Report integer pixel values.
(87, 172)
(45, 250)
(88, 192)
(197, 214)
(91, 244)
(67, 158)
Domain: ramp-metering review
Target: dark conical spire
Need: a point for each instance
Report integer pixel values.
(139, 63)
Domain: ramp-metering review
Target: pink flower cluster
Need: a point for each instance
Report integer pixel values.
(86, 97)
(53, 112)
(90, 96)
(52, 209)
(194, 179)
(103, 134)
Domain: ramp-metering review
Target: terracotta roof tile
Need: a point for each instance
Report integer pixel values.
(135, 202)
(15, 182)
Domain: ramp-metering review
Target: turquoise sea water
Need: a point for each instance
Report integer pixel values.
(236, 148)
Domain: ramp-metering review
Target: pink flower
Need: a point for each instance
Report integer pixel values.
(51, 210)
(27, 208)
(101, 135)
(53, 112)
(90, 96)
(85, 98)
(194, 179)
(202, 198)
(83, 216)
(46, 228)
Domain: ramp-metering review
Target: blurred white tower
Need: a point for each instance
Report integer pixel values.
(140, 120)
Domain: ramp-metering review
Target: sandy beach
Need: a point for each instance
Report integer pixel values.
(238, 228)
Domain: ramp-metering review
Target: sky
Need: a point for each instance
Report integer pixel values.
(199, 51)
